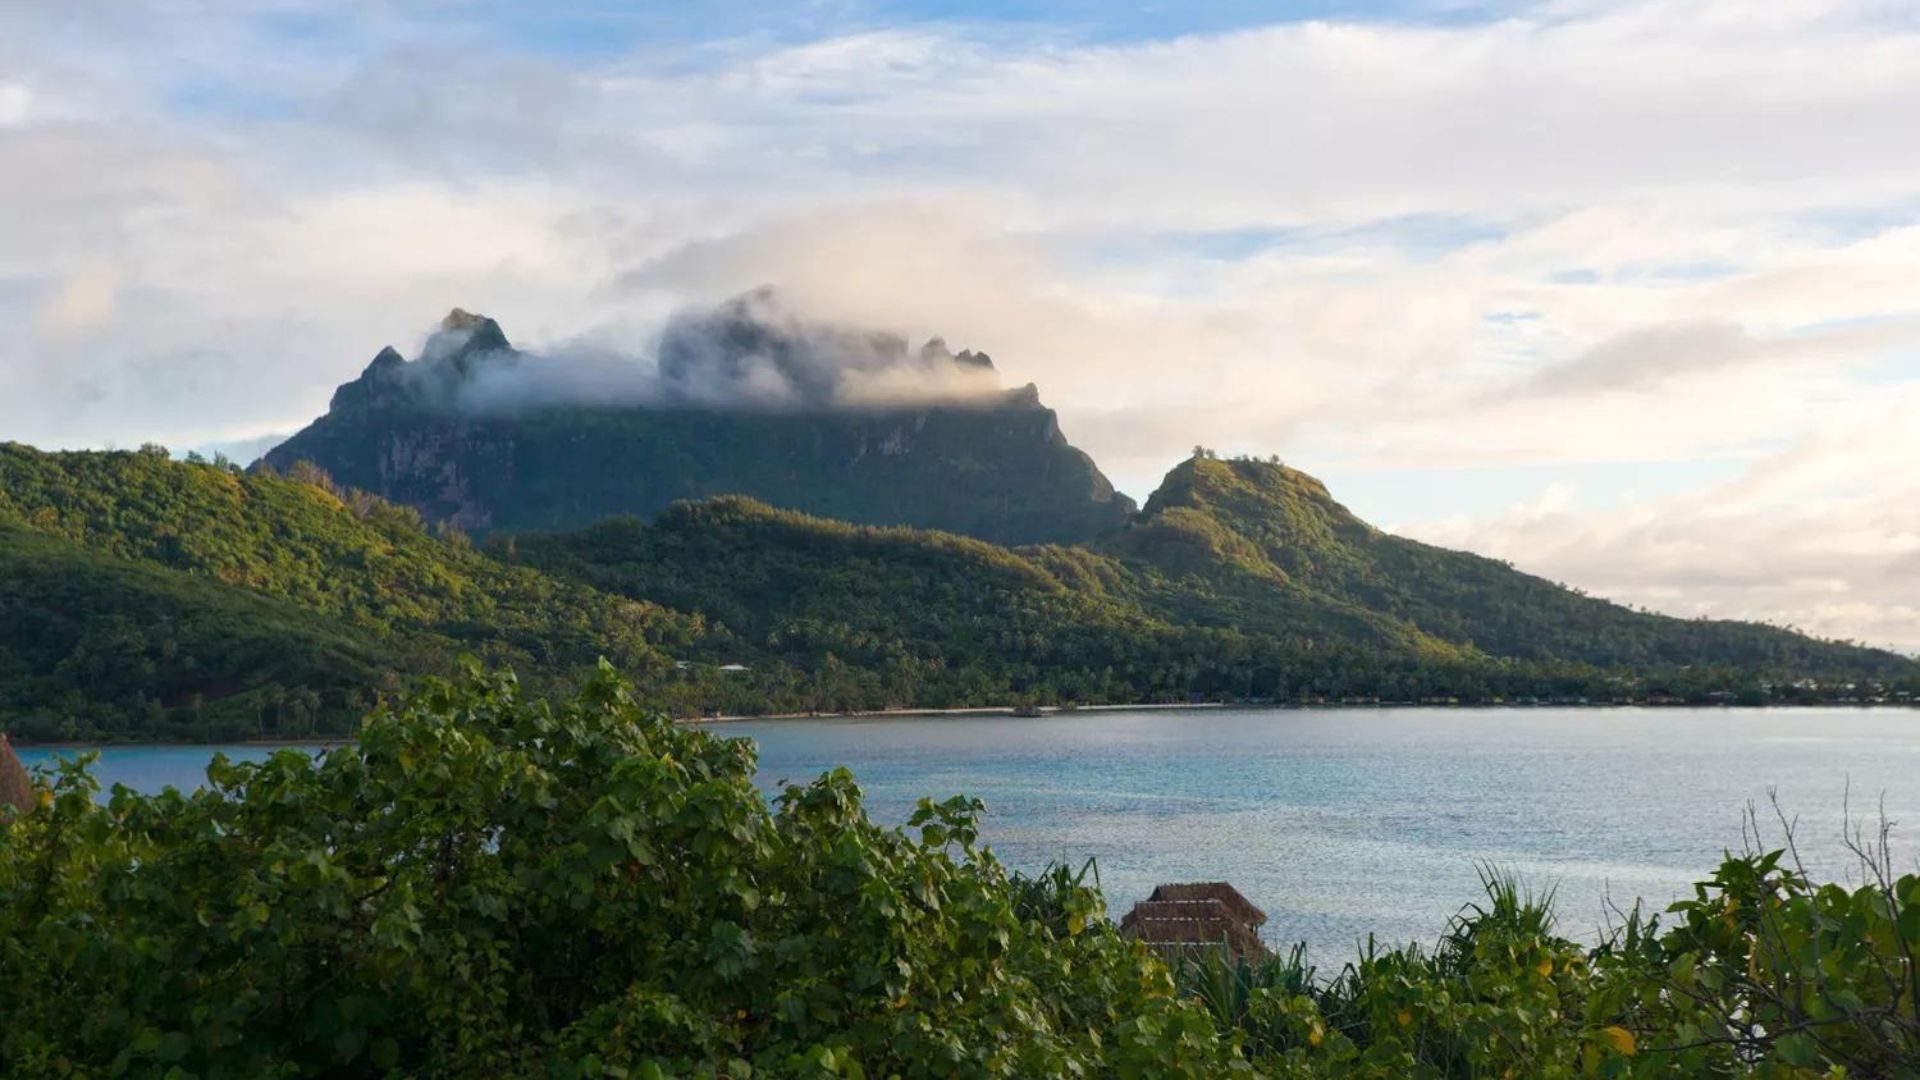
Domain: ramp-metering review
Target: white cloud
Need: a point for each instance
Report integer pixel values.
(1369, 245)
(1824, 535)
(16, 104)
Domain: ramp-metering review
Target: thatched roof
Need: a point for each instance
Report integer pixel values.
(1242, 908)
(16, 787)
(1197, 916)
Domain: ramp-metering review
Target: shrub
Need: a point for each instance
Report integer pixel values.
(1761, 973)
(489, 886)
(485, 885)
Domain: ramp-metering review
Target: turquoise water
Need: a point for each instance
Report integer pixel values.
(1343, 821)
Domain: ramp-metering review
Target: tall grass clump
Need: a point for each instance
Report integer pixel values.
(1762, 972)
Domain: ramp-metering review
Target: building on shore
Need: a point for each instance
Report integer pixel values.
(1197, 917)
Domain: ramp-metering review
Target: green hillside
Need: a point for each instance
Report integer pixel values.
(153, 595)
(829, 615)
(92, 645)
(1202, 597)
(147, 598)
(1284, 538)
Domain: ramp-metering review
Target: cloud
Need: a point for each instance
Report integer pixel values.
(1598, 231)
(1650, 355)
(16, 104)
(85, 300)
(751, 353)
(1823, 535)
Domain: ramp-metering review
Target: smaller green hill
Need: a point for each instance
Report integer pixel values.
(166, 597)
(333, 551)
(1269, 542)
(1203, 598)
(863, 616)
(93, 646)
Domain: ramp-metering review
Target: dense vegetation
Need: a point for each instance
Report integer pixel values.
(1280, 534)
(94, 646)
(147, 598)
(486, 885)
(1231, 586)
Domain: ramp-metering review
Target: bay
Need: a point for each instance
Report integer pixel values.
(1345, 822)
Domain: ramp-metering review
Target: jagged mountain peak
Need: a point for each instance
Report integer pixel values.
(387, 359)
(746, 398)
(465, 341)
(459, 349)
(756, 349)
(462, 319)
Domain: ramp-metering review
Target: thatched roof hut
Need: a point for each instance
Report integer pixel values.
(16, 787)
(1197, 915)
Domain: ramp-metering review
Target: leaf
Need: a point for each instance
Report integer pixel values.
(1622, 1039)
(347, 1044)
(1910, 922)
(385, 1052)
(1795, 1049)
(1683, 971)
(173, 1046)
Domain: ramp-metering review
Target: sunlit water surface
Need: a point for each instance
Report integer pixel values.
(1341, 822)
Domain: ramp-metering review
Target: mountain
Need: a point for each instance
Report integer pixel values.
(867, 616)
(744, 401)
(1253, 544)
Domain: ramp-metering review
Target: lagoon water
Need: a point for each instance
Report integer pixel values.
(1341, 822)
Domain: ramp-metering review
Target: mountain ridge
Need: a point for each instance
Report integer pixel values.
(992, 464)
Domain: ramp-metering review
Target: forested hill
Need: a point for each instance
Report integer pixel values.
(479, 434)
(142, 597)
(1253, 538)
(1209, 593)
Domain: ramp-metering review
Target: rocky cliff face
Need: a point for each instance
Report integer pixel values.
(836, 423)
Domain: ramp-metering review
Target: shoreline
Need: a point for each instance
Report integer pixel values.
(970, 710)
(327, 743)
(1294, 706)
(1046, 711)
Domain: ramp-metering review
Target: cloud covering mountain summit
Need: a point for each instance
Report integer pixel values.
(750, 353)
(744, 398)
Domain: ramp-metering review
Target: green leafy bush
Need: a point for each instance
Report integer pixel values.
(1760, 974)
(488, 886)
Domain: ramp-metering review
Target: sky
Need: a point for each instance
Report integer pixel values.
(1627, 293)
